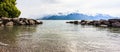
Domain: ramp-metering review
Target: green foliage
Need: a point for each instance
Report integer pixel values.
(8, 9)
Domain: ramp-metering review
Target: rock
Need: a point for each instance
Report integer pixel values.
(76, 22)
(70, 22)
(21, 23)
(9, 23)
(26, 22)
(15, 19)
(1, 25)
(97, 23)
(90, 23)
(22, 19)
(0, 19)
(114, 20)
(31, 22)
(18, 21)
(5, 20)
(116, 24)
(83, 23)
(37, 22)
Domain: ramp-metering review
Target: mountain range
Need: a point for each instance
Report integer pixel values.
(77, 16)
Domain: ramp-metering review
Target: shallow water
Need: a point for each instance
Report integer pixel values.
(57, 36)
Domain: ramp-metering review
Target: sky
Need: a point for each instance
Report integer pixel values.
(32, 8)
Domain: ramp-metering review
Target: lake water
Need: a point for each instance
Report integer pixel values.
(57, 36)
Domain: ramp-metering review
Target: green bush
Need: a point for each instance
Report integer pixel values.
(8, 9)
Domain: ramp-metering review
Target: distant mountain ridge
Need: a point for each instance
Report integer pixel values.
(77, 16)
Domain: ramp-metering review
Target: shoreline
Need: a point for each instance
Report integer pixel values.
(100, 23)
(4, 21)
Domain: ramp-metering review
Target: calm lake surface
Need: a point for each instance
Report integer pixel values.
(57, 36)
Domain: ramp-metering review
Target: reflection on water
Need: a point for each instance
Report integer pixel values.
(57, 36)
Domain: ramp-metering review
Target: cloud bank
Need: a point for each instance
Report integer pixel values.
(41, 8)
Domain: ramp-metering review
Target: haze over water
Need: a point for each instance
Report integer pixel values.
(57, 36)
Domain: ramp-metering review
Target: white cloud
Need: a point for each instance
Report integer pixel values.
(43, 7)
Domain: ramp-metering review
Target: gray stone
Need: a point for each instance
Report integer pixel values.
(9, 23)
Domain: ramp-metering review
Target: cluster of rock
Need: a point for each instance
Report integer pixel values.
(103, 23)
(18, 21)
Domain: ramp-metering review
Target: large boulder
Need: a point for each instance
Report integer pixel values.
(38, 22)
(5, 20)
(83, 23)
(114, 20)
(76, 22)
(90, 23)
(82, 20)
(1, 25)
(22, 19)
(26, 22)
(15, 20)
(104, 22)
(9, 23)
(21, 23)
(70, 22)
(116, 24)
(31, 22)
(97, 23)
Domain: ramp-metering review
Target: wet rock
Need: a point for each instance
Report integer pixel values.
(26, 22)
(101, 23)
(1, 25)
(22, 19)
(73, 22)
(116, 24)
(0, 19)
(16, 21)
(70, 22)
(31, 22)
(21, 23)
(76, 22)
(97, 23)
(5, 20)
(114, 20)
(90, 23)
(9, 23)
(83, 23)
(38, 22)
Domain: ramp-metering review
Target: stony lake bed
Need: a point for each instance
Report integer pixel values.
(58, 36)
